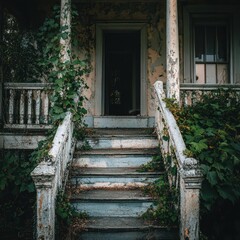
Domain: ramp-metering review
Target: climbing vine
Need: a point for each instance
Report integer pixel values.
(211, 131)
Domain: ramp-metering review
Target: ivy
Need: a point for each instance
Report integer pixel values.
(211, 131)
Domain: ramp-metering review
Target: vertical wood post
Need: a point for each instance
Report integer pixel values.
(173, 83)
(1, 68)
(190, 186)
(65, 24)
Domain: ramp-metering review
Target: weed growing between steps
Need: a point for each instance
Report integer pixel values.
(155, 165)
(164, 211)
(68, 220)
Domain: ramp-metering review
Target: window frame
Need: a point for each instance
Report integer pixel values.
(226, 14)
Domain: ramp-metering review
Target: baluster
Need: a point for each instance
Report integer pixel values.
(29, 93)
(11, 105)
(38, 101)
(45, 108)
(22, 106)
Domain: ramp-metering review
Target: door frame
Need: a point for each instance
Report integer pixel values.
(99, 87)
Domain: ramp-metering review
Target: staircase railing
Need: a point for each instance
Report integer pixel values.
(50, 176)
(26, 105)
(183, 172)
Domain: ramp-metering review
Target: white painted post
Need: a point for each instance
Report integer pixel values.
(1, 68)
(45, 107)
(11, 105)
(173, 82)
(38, 103)
(29, 95)
(190, 206)
(22, 106)
(65, 23)
(44, 179)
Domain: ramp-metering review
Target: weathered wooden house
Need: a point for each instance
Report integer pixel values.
(191, 46)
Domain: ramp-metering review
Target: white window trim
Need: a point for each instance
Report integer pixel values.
(234, 41)
(99, 90)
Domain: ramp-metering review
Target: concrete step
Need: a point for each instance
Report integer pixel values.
(120, 142)
(108, 138)
(123, 122)
(117, 203)
(125, 228)
(114, 158)
(96, 178)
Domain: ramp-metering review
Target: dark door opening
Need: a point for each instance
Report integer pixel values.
(122, 73)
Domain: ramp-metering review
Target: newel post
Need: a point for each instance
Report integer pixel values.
(172, 53)
(44, 180)
(190, 186)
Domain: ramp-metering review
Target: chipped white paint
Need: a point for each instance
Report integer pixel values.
(20, 141)
(38, 102)
(22, 106)
(33, 104)
(188, 169)
(121, 142)
(172, 51)
(48, 177)
(11, 105)
(65, 23)
(191, 92)
(29, 95)
(115, 208)
(103, 161)
(46, 107)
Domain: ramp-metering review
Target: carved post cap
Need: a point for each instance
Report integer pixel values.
(43, 175)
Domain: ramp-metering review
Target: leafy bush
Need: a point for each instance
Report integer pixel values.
(17, 195)
(211, 131)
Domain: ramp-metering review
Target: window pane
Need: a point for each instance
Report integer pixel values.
(210, 44)
(211, 73)
(200, 73)
(199, 43)
(222, 73)
(222, 43)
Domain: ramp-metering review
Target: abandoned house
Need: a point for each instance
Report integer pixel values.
(138, 52)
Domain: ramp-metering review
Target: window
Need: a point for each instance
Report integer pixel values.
(211, 48)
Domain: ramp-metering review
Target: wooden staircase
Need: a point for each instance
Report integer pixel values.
(106, 184)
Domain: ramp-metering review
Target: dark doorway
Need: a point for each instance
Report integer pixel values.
(122, 72)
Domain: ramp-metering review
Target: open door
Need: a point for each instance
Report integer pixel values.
(121, 72)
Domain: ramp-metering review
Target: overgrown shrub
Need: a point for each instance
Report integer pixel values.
(211, 131)
(17, 195)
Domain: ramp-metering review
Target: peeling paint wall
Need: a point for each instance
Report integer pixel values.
(153, 14)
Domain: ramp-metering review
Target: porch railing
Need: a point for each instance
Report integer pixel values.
(191, 92)
(26, 105)
(49, 177)
(183, 172)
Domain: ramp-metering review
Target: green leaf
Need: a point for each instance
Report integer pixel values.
(212, 177)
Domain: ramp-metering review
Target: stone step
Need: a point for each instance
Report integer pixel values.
(120, 142)
(114, 158)
(117, 203)
(125, 228)
(96, 178)
(123, 122)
